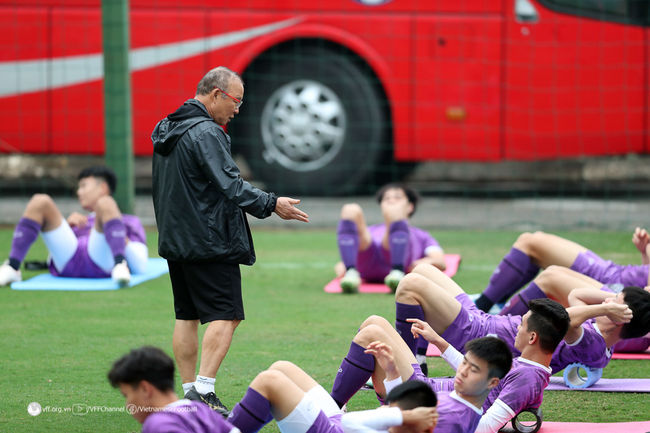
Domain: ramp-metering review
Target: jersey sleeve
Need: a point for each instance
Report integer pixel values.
(370, 421)
(452, 356)
(429, 241)
(134, 229)
(496, 417)
(518, 393)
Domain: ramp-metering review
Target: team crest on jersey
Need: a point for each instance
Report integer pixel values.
(373, 2)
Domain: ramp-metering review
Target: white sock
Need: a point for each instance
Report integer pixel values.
(187, 386)
(204, 384)
(421, 358)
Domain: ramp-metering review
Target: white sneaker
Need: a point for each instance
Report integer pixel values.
(121, 274)
(8, 274)
(393, 278)
(351, 281)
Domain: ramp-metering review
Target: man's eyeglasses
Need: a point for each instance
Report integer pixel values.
(238, 102)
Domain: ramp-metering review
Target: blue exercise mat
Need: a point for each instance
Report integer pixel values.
(155, 268)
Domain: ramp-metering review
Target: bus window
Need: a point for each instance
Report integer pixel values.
(624, 11)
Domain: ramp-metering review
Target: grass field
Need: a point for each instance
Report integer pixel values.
(57, 347)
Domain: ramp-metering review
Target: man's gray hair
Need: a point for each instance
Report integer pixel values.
(218, 77)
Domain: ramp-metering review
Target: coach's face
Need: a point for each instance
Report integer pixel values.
(225, 103)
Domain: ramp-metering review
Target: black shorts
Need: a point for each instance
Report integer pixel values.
(206, 291)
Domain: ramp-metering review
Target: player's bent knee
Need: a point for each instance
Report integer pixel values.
(351, 211)
(423, 269)
(265, 381)
(282, 365)
(525, 239)
(551, 275)
(369, 334)
(106, 203)
(376, 321)
(40, 201)
(412, 282)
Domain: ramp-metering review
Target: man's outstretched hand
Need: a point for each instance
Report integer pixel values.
(286, 209)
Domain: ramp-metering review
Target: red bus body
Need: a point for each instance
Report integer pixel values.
(461, 81)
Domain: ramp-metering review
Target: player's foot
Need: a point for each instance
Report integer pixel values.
(121, 274)
(393, 278)
(210, 399)
(425, 369)
(8, 274)
(351, 281)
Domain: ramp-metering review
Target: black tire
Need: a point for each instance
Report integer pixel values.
(312, 124)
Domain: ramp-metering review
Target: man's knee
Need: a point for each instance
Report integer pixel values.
(550, 277)
(411, 284)
(527, 241)
(351, 211)
(282, 366)
(224, 325)
(266, 381)
(40, 201)
(423, 269)
(368, 334)
(376, 321)
(106, 204)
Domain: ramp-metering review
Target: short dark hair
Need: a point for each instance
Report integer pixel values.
(638, 300)
(412, 394)
(146, 363)
(412, 196)
(494, 351)
(218, 77)
(100, 172)
(550, 320)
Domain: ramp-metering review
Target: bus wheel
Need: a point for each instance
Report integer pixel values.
(313, 124)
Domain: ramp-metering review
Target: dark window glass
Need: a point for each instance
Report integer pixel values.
(625, 11)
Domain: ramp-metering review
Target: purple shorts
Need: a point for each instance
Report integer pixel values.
(325, 424)
(471, 323)
(608, 272)
(374, 263)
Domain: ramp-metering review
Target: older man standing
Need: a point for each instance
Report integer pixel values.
(200, 202)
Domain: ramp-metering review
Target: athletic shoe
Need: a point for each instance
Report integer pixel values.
(8, 274)
(210, 399)
(351, 281)
(121, 274)
(393, 279)
(425, 369)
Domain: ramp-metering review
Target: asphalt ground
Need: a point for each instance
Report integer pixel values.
(522, 214)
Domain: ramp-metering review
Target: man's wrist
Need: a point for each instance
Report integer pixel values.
(273, 201)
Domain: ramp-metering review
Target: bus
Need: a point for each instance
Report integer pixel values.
(338, 92)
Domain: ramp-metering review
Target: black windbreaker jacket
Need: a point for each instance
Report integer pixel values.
(199, 197)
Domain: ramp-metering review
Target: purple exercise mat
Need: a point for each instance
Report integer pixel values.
(607, 385)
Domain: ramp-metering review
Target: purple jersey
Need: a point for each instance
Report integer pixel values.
(187, 416)
(456, 415)
(374, 263)
(81, 265)
(608, 272)
(590, 349)
(437, 384)
(522, 387)
(473, 323)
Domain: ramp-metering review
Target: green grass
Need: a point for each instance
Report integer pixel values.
(56, 347)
